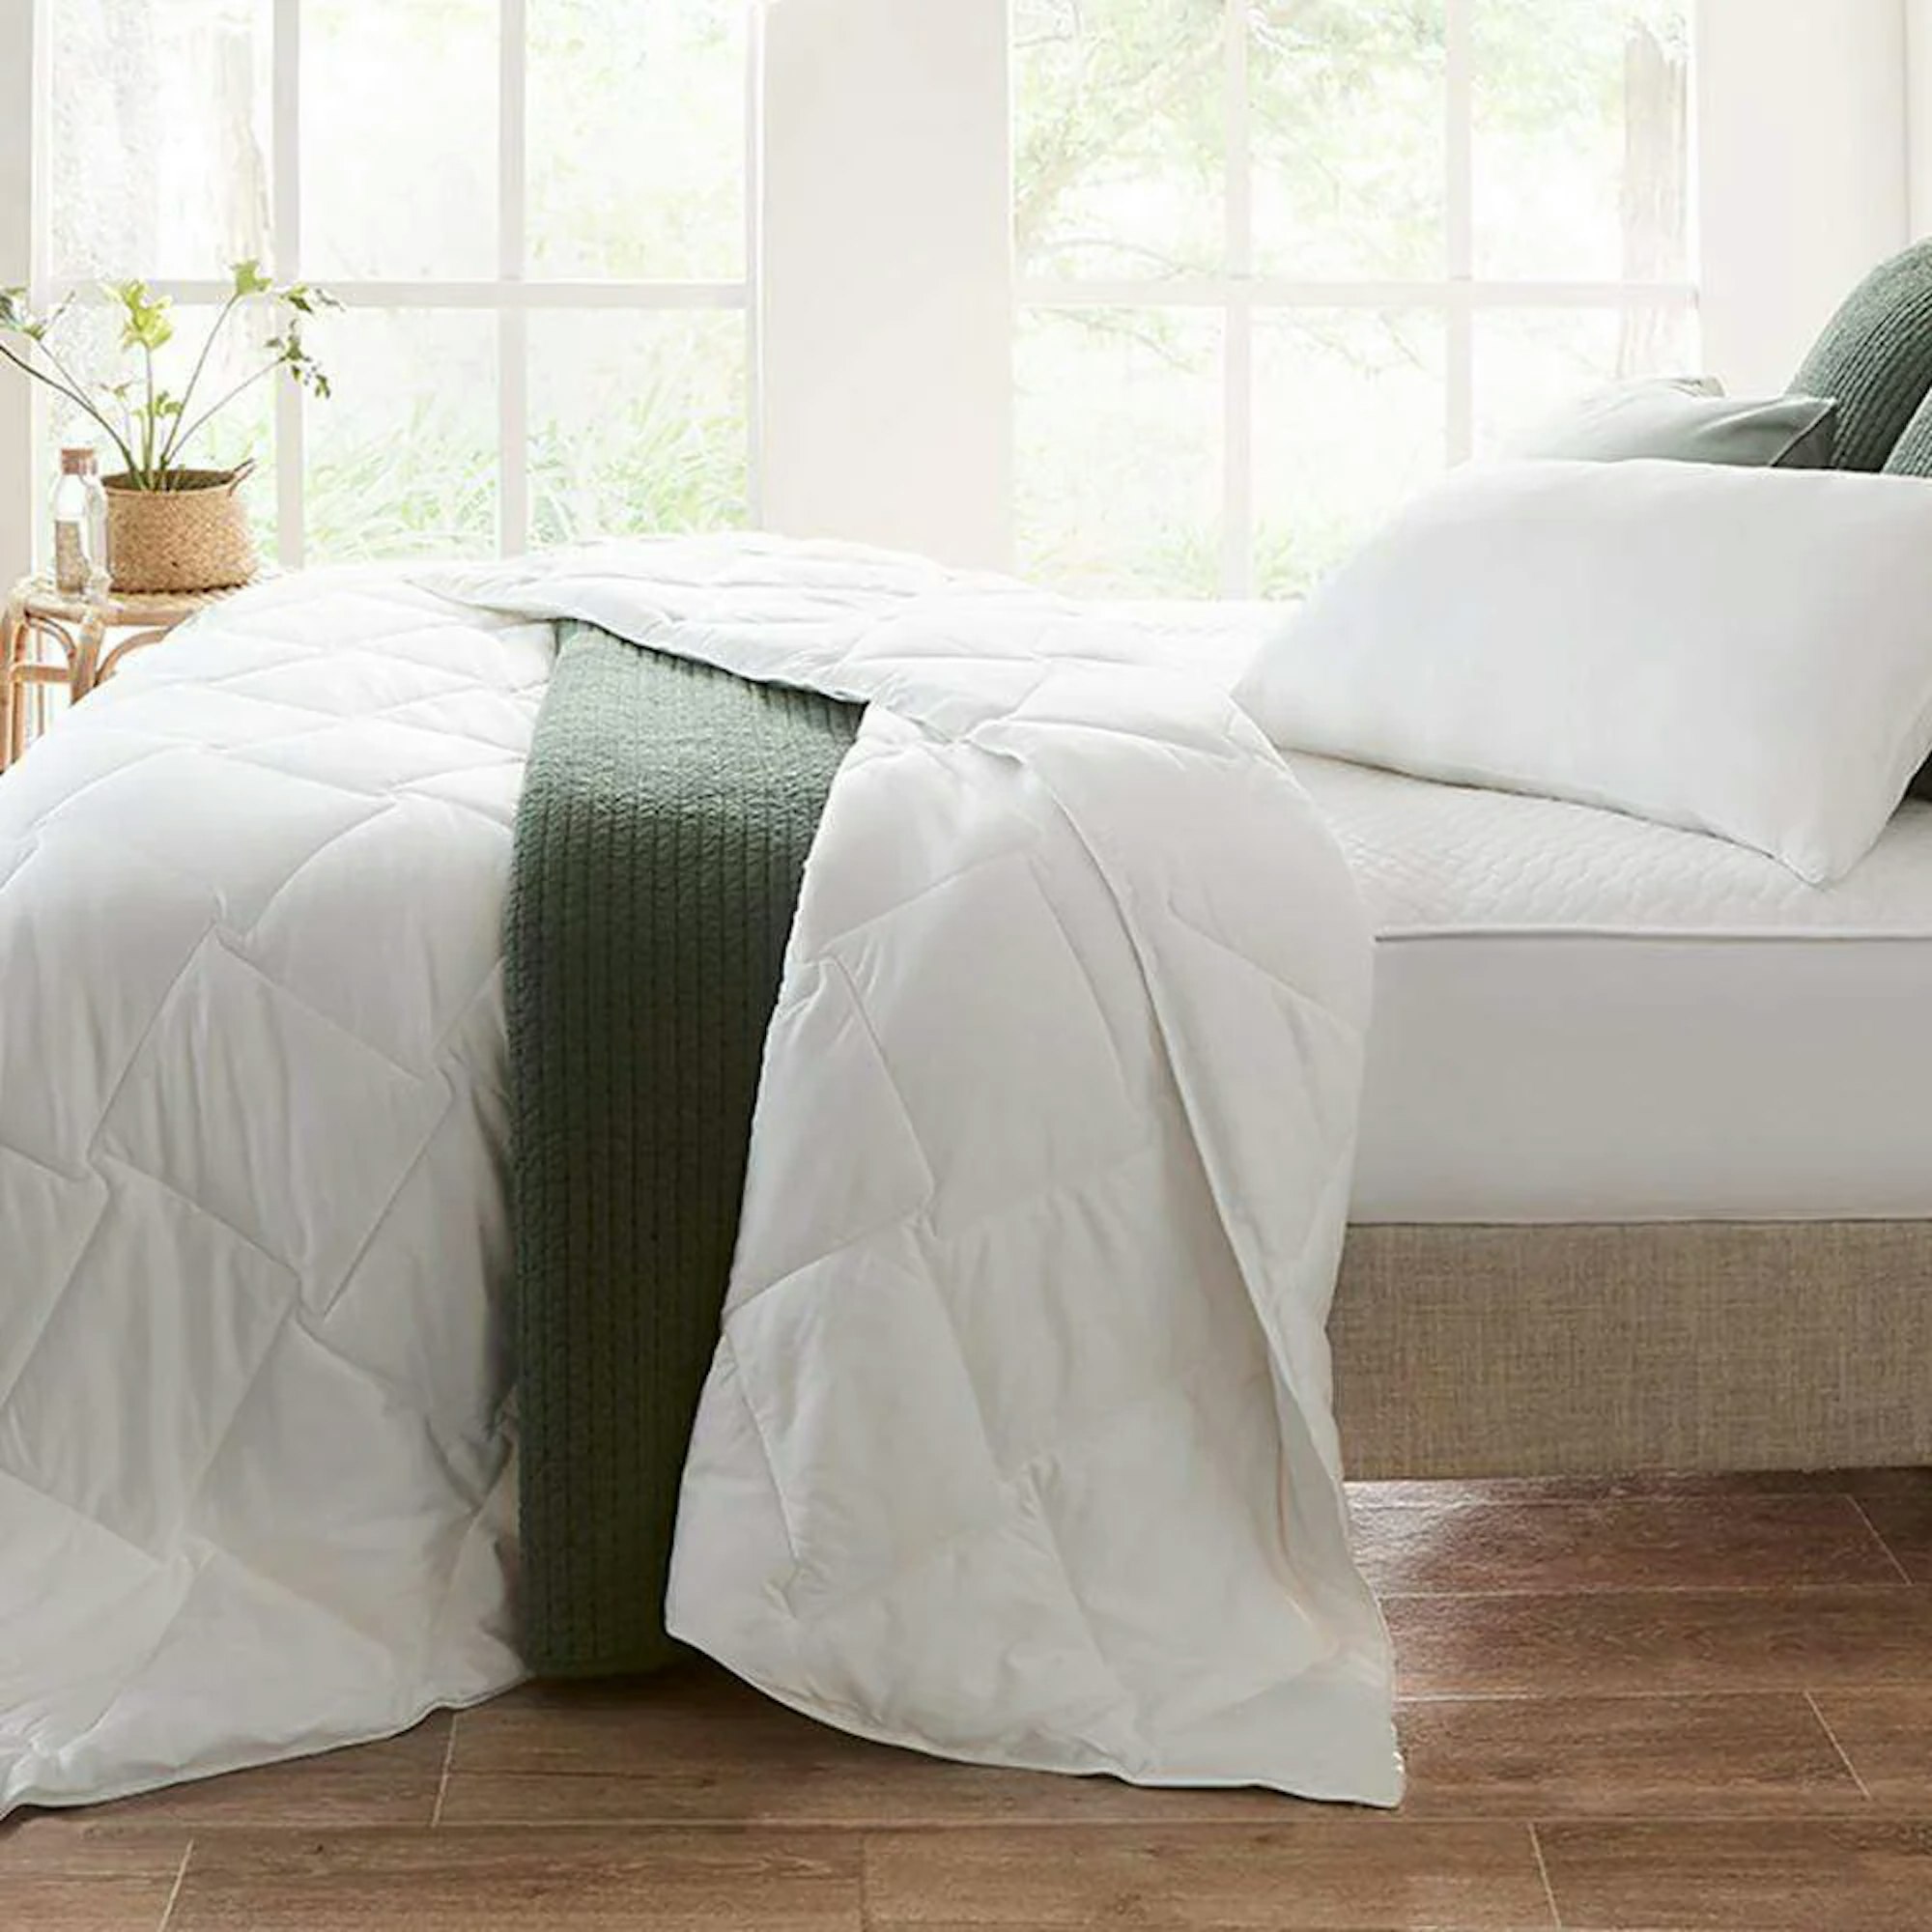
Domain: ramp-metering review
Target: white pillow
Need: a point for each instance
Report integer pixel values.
(1745, 652)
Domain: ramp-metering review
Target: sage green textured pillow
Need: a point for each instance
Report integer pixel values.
(1684, 422)
(1912, 454)
(1875, 360)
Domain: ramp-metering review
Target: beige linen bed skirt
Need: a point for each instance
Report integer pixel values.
(1601, 1351)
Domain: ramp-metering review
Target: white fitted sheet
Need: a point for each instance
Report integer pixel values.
(1584, 1017)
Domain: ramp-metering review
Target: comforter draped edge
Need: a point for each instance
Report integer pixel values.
(1017, 1444)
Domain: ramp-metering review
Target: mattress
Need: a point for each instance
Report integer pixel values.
(1583, 1017)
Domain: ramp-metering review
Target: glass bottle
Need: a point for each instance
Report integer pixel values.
(80, 526)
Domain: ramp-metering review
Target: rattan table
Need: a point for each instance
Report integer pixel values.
(49, 640)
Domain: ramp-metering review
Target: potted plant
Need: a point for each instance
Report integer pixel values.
(169, 527)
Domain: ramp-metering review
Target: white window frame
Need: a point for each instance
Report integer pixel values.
(511, 296)
(1238, 296)
(873, 355)
(23, 80)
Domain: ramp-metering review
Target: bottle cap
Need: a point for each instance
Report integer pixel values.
(78, 461)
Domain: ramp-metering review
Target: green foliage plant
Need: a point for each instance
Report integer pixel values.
(150, 427)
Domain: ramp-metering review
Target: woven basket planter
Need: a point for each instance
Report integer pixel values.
(192, 537)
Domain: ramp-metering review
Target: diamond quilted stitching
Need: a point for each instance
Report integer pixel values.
(402, 982)
(220, 717)
(126, 1448)
(381, 681)
(1446, 859)
(996, 930)
(206, 816)
(375, 755)
(802, 1201)
(381, 1523)
(1040, 1379)
(490, 791)
(157, 1347)
(908, 1389)
(93, 904)
(50, 1216)
(1021, 1684)
(115, 1600)
(277, 1119)
(1159, 1485)
(395, 1315)
(200, 1631)
(58, 769)
(499, 717)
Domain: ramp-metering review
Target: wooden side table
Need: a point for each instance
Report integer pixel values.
(49, 638)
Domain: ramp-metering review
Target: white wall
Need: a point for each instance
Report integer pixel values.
(887, 255)
(16, 89)
(1919, 112)
(1806, 138)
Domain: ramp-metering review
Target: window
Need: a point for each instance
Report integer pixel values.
(1280, 261)
(536, 213)
(1276, 263)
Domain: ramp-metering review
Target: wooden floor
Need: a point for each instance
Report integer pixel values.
(1664, 1706)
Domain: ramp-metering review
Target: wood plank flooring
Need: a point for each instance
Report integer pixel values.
(1652, 1706)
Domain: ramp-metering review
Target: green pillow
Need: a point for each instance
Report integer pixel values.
(1682, 420)
(1875, 360)
(1912, 454)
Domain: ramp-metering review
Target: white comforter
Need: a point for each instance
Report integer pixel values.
(1017, 1445)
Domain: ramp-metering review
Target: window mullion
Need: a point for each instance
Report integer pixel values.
(1460, 216)
(285, 139)
(1238, 489)
(23, 226)
(753, 265)
(513, 499)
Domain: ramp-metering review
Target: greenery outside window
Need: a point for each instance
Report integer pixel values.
(1281, 261)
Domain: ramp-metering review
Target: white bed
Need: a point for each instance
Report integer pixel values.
(1075, 968)
(1585, 1018)
(254, 1449)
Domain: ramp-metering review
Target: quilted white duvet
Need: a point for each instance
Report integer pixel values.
(1017, 1445)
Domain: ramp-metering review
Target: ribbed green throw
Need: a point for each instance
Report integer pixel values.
(664, 822)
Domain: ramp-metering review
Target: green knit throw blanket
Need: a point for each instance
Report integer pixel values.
(662, 831)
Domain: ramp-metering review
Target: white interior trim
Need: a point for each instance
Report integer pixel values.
(752, 293)
(1237, 380)
(878, 166)
(506, 294)
(1919, 114)
(1803, 136)
(19, 37)
(1238, 296)
(1459, 53)
(888, 265)
(285, 191)
(513, 403)
(1218, 291)
(510, 296)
